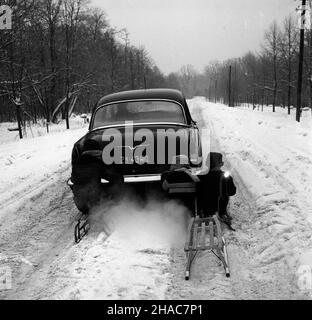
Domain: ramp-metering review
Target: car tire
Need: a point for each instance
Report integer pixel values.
(87, 196)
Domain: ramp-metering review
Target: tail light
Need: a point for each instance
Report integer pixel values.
(195, 147)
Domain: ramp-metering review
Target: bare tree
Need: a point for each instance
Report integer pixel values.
(288, 47)
(71, 15)
(39, 64)
(271, 48)
(51, 12)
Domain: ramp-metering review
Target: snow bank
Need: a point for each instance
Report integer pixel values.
(27, 165)
(270, 156)
(37, 130)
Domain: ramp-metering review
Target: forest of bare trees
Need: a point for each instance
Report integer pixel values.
(266, 77)
(62, 55)
(269, 76)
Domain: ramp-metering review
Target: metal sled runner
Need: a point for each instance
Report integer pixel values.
(205, 234)
(81, 229)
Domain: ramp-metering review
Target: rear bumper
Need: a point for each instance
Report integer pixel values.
(131, 179)
(139, 178)
(147, 177)
(143, 178)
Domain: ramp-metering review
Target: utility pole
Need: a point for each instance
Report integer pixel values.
(235, 94)
(301, 52)
(230, 86)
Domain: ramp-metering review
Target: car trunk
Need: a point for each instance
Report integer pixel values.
(140, 149)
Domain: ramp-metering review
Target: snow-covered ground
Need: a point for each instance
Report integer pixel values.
(28, 165)
(39, 129)
(270, 156)
(135, 248)
(122, 258)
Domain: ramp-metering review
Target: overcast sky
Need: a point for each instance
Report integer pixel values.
(180, 32)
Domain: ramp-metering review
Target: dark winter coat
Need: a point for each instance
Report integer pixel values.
(215, 191)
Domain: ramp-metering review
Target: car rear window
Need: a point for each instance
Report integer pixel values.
(138, 112)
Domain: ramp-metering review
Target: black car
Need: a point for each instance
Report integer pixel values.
(136, 136)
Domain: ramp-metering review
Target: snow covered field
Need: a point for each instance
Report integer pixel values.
(136, 249)
(30, 164)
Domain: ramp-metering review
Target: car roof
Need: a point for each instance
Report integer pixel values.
(166, 94)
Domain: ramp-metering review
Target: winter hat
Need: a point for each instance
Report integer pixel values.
(216, 160)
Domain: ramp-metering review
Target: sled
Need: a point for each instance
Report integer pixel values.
(81, 229)
(205, 234)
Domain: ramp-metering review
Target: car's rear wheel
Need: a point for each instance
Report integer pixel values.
(87, 196)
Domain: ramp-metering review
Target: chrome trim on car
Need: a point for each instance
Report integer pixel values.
(143, 178)
(138, 178)
(130, 179)
(140, 124)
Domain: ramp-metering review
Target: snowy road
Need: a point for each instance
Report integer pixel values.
(143, 257)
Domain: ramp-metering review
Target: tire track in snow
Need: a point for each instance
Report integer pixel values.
(37, 231)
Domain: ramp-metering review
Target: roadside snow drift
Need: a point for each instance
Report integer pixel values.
(270, 156)
(28, 165)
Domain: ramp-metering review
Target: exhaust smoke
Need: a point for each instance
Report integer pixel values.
(144, 223)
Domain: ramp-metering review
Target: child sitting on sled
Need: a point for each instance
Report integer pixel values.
(216, 188)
